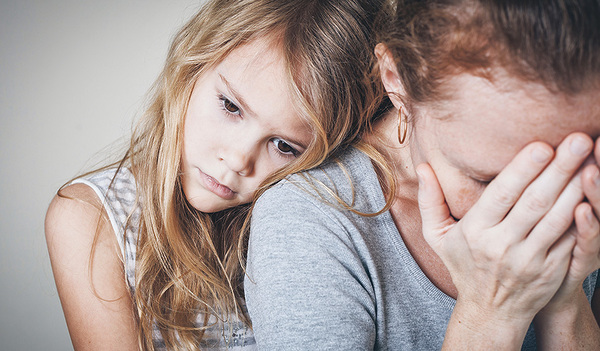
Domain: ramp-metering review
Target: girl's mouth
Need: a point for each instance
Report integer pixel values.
(215, 187)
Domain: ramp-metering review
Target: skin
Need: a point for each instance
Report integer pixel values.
(240, 126)
(503, 176)
(222, 138)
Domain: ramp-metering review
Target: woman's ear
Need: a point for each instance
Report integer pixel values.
(389, 74)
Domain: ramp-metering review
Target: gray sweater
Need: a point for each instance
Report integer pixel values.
(321, 277)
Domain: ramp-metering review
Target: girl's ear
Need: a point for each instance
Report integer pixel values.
(389, 74)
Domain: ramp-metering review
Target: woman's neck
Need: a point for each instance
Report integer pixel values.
(384, 138)
(405, 208)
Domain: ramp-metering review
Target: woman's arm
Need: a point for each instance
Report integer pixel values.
(96, 302)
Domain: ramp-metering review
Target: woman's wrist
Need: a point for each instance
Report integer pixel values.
(568, 323)
(475, 328)
(564, 307)
(564, 314)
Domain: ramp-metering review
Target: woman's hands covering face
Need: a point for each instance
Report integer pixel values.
(586, 253)
(530, 240)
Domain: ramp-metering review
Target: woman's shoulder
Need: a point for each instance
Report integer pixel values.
(347, 179)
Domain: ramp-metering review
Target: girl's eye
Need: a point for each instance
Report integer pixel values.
(229, 106)
(284, 147)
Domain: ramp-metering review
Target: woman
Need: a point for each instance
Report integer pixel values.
(482, 186)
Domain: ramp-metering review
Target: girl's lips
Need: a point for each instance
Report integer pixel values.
(215, 187)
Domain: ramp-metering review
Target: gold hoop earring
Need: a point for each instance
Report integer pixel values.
(402, 126)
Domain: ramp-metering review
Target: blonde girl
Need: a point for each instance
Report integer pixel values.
(144, 251)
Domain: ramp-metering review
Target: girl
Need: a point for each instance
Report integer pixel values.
(489, 237)
(251, 91)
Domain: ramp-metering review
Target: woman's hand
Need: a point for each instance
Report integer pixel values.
(586, 253)
(510, 254)
(567, 319)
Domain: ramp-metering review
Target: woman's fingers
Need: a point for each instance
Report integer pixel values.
(590, 180)
(558, 219)
(588, 234)
(585, 257)
(542, 194)
(506, 189)
(435, 214)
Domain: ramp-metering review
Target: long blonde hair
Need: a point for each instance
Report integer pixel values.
(187, 262)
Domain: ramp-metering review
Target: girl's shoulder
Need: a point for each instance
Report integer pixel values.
(91, 191)
(116, 189)
(118, 180)
(113, 192)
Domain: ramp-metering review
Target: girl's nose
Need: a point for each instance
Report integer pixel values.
(240, 159)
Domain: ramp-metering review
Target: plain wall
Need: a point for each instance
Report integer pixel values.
(73, 75)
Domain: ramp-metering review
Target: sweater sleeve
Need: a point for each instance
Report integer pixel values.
(306, 288)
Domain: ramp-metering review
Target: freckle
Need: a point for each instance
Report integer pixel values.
(465, 198)
(463, 195)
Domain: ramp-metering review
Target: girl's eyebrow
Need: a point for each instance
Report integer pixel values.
(237, 96)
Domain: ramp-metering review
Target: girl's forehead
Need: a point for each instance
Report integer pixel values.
(260, 50)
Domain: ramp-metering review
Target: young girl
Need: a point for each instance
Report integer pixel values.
(144, 250)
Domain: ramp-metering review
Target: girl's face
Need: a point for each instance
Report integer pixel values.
(240, 127)
(472, 136)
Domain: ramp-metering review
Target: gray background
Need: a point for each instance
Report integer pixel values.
(73, 74)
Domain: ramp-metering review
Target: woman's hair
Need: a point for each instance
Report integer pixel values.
(553, 42)
(187, 261)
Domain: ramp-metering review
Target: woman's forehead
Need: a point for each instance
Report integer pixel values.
(484, 124)
(512, 109)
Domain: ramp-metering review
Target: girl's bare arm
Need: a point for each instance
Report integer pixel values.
(95, 299)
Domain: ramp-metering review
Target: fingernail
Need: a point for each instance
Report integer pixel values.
(540, 154)
(579, 146)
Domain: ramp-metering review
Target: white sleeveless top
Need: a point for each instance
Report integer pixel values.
(119, 203)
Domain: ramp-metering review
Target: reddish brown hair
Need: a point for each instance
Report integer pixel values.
(554, 42)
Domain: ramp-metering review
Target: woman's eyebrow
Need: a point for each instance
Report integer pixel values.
(237, 96)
